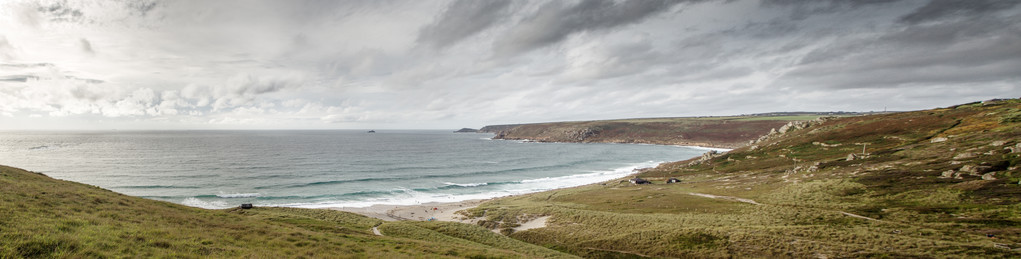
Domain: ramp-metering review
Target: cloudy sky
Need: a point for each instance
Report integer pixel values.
(450, 64)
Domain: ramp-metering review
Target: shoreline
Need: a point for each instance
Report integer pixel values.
(446, 211)
(438, 211)
(682, 144)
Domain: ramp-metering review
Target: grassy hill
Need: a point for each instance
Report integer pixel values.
(932, 183)
(725, 132)
(45, 217)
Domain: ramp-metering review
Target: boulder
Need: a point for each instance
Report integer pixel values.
(965, 155)
(947, 174)
(814, 168)
(1014, 149)
(989, 176)
(706, 157)
(976, 169)
(998, 143)
(853, 156)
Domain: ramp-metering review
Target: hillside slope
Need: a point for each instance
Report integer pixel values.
(45, 217)
(722, 132)
(933, 183)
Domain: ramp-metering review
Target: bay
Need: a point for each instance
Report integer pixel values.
(322, 168)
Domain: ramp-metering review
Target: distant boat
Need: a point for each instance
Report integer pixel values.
(372, 131)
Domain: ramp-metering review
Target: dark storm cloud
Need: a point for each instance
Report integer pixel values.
(941, 9)
(17, 78)
(463, 18)
(308, 63)
(829, 2)
(61, 12)
(929, 44)
(142, 8)
(553, 22)
(803, 9)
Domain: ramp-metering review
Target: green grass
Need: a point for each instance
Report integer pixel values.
(910, 211)
(44, 217)
(812, 202)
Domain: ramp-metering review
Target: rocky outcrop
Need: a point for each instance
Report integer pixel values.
(706, 157)
(466, 130)
(789, 127)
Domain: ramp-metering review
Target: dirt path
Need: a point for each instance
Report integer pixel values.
(732, 198)
(857, 216)
(750, 201)
(618, 251)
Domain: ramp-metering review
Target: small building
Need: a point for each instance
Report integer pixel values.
(673, 180)
(637, 180)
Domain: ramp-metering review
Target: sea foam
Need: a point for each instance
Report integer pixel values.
(237, 195)
(404, 196)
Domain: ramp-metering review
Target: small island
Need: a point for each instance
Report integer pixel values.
(466, 130)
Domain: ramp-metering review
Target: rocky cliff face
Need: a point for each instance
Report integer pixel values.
(722, 133)
(497, 128)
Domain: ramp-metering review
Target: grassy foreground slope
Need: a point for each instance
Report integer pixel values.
(934, 183)
(725, 132)
(45, 217)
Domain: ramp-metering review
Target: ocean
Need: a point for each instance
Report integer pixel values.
(322, 168)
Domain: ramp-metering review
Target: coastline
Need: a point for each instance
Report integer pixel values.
(447, 211)
(706, 146)
(439, 211)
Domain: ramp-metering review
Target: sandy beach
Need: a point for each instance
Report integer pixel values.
(442, 211)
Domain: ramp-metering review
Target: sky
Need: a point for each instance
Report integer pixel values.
(101, 65)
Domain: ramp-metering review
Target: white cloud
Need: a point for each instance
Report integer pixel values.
(426, 64)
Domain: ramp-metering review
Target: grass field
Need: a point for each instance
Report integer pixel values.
(797, 195)
(44, 217)
(938, 183)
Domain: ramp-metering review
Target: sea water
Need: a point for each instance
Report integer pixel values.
(334, 168)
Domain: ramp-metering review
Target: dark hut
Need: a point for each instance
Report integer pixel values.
(673, 180)
(639, 181)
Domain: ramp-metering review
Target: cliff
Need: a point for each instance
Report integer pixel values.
(497, 128)
(720, 132)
